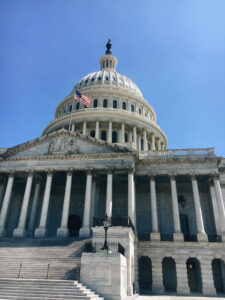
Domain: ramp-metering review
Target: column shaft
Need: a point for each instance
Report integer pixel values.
(153, 142)
(155, 236)
(73, 127)
(135, 138)
(84, 128)
(85, 230)
(220, 203)
(131, 198)
(178, 236)
(198, 211)
(97, 130)
(63, 231)
(5, 205)
(2, 187)
(109, 194)
(110, 133)
(34, 208)
(145, 141)
(215, 209)
(122, 132)
(41, 231)
(20, 231)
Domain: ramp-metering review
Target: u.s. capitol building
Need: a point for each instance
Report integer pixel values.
(166, 205)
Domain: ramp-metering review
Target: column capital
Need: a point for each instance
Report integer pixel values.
(30, 172)
(193, 175)
(11, 173)
(89, 171)
(69, 171)
(37, 178)
(152, 176)
(49, 171)
(214, 175)
(172, 176)
(131, 170)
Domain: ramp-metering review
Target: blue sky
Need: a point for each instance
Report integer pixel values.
(173, 50)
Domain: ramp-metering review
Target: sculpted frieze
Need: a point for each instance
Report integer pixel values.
(62, 146)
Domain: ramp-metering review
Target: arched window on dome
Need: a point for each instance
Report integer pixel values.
(92, 133)
(70, 108)
(114, 103)
(103, 64)
(124, 105)
(107, 64)
(105, 103)
(95, 103)
(149, 146)
(103, 135)
(114, 137)
(132, 108)
(139, 110)
(78, 106)
(92, 79)
(126, 137)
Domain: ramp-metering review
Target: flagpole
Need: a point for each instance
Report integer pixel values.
(71, 113)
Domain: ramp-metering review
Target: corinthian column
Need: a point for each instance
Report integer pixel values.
(109, 194)
(34, 207)
(110, 133)
(202, 237)
(155, 235)
(97, 130)
(135, 137)
(63, 231)
(5, 204)
(84, 128)
(131, 197)
(178, 236)
(153, 142)
(85, 230)
(41, 231)
(220, 203)
(20, 231)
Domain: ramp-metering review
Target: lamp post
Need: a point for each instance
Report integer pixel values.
(106, 224)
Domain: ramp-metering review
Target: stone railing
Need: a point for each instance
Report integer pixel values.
(178, 153)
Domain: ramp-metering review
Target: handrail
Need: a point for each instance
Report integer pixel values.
(18, 277)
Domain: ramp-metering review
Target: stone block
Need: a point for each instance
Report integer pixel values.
(62, 232)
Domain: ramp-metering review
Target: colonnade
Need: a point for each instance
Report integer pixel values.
(141, 138)
(41, 231)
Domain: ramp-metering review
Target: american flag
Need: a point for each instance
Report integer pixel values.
(82, 98)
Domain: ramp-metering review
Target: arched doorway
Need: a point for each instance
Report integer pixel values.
(74, 225)
(194, 275)
(218, 269)
(145, 274)
(169, 274)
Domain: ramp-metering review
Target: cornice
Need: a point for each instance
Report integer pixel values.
(178, 160)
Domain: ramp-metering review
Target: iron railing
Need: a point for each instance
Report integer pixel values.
(96, 247)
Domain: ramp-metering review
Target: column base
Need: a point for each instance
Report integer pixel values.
(209, 291)
(40, 232)
(155, 236)
(19, 232)
(62, 232)
(183, 290)
(3, 232)
(202, 237)
(129, 291)
(178, 237)
(85, 232)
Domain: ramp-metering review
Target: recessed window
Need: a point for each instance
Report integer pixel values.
(114, 78)
(142, 144)
(78, 105)
(86, 81)
(114, 137)
(95, 103)
(92, 133)
(103, 135)
(124, 105)
(107, 78)
(92, 79)
(132, 108)
(70, 108)
(114, 103)
(126, 138)
(105, 103)
(139, 110)
(99, 78)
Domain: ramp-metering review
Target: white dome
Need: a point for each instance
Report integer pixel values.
(108, 78)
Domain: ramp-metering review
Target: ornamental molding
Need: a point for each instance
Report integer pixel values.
(56, 151)
(178, 160)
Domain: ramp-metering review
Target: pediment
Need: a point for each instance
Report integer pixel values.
(62, 143)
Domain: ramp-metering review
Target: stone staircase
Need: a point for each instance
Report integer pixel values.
(61, 257)
(42, 269)
(30, 289)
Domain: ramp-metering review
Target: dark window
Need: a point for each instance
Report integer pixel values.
(114, 78)
(169, 274)
(139, 111)
(114, 103)
(70, 108)
(92, 133)
(126, 138)
(95, 103)
(86, 81)
(92, 79)
(124, 105)
(103, 135)
(145, 274)
(114, 137)
(99, 78)
(132, 108)
(107, 78)
(105, 103)
(78, 105)
(142, 144)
